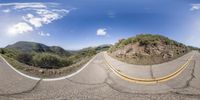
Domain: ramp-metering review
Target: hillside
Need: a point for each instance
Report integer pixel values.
(43, 56)
(29, 47)
(47, 61)
(147, 49)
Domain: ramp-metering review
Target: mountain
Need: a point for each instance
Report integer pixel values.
(147, 49)
(48, 57)
(99, 48)
(103, 47)
(58, 50)
(25, 46)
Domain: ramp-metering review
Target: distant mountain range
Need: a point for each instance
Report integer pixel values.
(26, 46)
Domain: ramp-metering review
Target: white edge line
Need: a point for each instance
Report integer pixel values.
(49, 79)
(68, 76)
(33, 78)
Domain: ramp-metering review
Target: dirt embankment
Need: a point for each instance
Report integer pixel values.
(147, 49)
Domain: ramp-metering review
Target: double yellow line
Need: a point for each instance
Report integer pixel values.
(148, 81)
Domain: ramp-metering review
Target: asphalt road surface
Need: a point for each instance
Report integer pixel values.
(105, 78)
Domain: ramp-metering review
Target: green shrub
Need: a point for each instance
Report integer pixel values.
(2, 51)
(25, 58)
(47, 60)
(11, 53)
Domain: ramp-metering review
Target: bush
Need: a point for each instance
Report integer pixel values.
(25, 58)
(47, 60)
(11, 53)
(2, 51)
(88, 53)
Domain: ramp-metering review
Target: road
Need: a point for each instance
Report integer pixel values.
(97, 81)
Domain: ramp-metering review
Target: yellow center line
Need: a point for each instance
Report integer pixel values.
(149, 81)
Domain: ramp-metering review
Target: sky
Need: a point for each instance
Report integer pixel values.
(76, 24)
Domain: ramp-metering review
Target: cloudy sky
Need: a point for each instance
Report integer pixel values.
(75, 24)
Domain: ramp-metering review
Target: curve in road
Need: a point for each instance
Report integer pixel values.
(149, 81)
(47, 79)
(98, 82)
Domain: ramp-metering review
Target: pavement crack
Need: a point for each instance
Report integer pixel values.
(108, 72)
(191, 78)
(170, 92)
(23, 92)
(186, 94)
(112, 87)
(81, 83)
(151, 72)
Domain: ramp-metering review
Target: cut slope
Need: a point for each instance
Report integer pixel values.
(147, 49)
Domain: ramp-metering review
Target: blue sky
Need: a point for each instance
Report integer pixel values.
(75, 24)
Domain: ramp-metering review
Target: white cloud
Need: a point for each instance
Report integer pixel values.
(6, 10)
(47, 16)
(101, 32)
(195, 7)
(36, 22)
(20, 28)
(24, 5)
(34, 15)
(44, 16)
(44, 34)
(61, 10)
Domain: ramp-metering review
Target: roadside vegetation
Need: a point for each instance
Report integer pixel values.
(147, 49)
(144, 40)
(44, 61)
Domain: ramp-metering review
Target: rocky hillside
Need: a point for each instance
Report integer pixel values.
(147, 49)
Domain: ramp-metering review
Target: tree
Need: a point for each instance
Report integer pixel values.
(2, 51)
